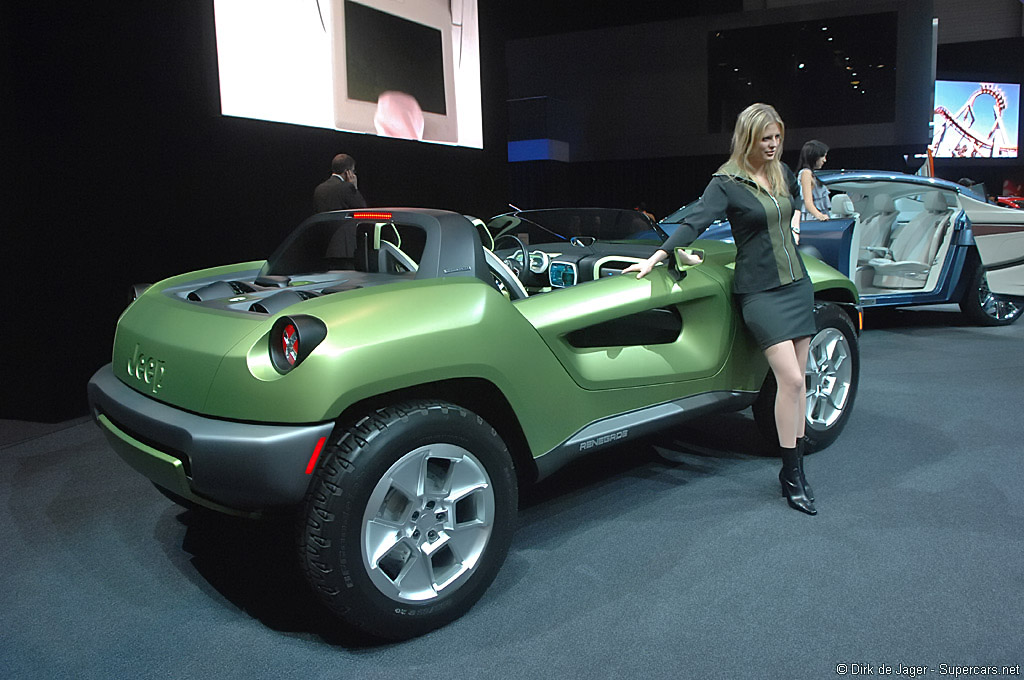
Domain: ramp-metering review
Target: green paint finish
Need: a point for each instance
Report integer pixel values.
(386, 338)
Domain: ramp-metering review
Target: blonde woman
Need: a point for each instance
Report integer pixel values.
(757, 193)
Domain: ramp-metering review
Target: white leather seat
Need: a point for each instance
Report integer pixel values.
(911, 256)
(842, 206)
(876, 230)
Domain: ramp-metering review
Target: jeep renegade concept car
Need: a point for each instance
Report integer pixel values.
(393, 376)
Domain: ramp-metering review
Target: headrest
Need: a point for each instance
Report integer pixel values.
(884, 203)
(842, 206)
(935, 202)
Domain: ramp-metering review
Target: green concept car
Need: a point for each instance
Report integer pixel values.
(394, 376)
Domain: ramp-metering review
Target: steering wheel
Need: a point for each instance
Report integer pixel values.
(505, 280)
(515, 266)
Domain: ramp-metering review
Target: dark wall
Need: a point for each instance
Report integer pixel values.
(121, 170)
(641, 91)
(636, 100)
(641, 170)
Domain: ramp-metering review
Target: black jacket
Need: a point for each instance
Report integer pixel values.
(334, 193)
(766, 254)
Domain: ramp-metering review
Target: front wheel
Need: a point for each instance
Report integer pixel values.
(832, 375)
(409, 518)
(984, 308)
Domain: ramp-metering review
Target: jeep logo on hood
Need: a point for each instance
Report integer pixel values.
(147, 369)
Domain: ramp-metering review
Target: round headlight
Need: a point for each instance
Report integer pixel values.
(293, 338)
(290, 344)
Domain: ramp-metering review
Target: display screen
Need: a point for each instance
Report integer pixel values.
(975, 119)
(385, 52)
(398, 68)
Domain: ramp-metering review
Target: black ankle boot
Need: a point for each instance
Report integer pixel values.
(792, 484)
(800, 444)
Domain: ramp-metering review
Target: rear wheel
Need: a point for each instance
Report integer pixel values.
(409, 518)
(832, 375)
(984, 308)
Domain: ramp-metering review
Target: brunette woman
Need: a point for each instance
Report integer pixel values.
(813, 194)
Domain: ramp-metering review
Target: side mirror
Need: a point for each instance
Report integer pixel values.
(688, 257)
(685, 258)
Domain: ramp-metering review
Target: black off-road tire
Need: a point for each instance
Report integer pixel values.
(834, 354)
(363, 490)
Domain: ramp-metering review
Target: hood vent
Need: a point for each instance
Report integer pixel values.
(268, 281)
(281, 300)
(220, 289)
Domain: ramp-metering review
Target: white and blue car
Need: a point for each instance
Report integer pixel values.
(912, 240)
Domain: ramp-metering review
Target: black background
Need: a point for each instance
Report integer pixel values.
(119, 167)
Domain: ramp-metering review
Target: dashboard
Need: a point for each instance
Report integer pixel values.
(560, 265)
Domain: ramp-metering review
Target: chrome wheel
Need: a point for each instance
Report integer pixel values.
(427, 523)
(998, 309)
(983, 307)
(829, 376)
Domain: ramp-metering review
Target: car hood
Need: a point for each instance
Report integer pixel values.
(171, 343)
(169, 347)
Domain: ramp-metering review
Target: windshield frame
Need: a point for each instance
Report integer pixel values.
(562, 225)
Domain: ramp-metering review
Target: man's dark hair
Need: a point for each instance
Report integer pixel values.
(342, 162)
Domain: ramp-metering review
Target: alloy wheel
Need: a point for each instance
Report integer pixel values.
(427, 523)
(829, 376)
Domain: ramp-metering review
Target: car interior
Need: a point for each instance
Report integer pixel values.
(549, 250)
(902, 235)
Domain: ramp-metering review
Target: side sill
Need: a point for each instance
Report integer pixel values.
(635, 424)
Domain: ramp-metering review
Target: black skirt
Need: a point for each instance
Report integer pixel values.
(783, 313)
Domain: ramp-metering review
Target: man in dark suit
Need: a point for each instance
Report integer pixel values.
(340, 191)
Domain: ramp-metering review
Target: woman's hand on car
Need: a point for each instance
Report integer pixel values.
(644, 268)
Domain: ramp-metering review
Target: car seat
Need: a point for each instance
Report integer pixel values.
(876, 230)
(911, 256)
(842, 206)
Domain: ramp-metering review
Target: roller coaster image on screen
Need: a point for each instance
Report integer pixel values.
(970, 129)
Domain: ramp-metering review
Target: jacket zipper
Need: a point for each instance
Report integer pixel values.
(789, 260)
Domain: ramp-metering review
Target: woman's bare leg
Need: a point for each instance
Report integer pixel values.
(788, 361)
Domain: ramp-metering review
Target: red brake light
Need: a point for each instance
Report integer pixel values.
(381, 216)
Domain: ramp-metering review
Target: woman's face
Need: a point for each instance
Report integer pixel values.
(765, 148)
(820, 162)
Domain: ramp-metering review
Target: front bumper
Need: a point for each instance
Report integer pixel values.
(225, 465)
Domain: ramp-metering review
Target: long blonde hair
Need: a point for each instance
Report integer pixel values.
(750, 127)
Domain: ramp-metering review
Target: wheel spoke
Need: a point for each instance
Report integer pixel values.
(465, 479)
(812, 408)
(416, 582)
(837, 396)
(839, 358)
(466, 544)
(427, 523)
(409, 476)
(381, 538)
(829, 372)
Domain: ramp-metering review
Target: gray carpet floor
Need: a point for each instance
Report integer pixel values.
(675, 558)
